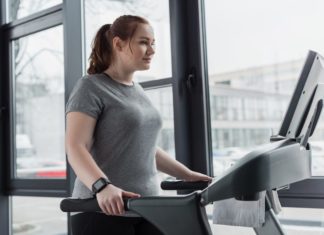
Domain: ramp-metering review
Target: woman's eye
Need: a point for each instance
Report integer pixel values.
(147, 43)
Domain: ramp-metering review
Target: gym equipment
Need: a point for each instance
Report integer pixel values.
(285, 160)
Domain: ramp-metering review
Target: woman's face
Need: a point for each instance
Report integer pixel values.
(138, 52)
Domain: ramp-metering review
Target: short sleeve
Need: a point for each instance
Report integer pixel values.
(84, 98)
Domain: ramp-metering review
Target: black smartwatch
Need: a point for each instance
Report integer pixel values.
(99, 185)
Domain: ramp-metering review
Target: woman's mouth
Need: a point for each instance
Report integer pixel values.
(147, 60)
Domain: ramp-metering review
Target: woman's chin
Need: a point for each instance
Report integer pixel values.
(145, 67)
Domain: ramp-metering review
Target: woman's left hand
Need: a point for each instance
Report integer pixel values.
(196, 176)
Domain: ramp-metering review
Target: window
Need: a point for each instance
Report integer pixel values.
(38, 90)
(256, 51)
(100, 12)
(303, 221)
(22, 8)
(162, 101)
(45, 219)
(255, 54)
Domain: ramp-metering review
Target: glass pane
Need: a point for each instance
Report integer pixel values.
(38, 216)
(162, 99)
(294, 221)
(256, 51)
(305, 221)
(100, 12)
(22, 8)
(39, 104)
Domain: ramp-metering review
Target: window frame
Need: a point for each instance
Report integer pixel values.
(4, 199)
(190, 80)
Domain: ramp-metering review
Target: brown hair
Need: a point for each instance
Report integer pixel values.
(123, 27)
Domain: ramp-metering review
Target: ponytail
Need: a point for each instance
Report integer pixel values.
(100, 57)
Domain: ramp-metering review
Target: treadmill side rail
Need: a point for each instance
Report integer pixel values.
(174, 215)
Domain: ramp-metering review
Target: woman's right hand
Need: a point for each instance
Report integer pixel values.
(110, 199)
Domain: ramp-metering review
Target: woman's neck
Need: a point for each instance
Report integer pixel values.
(120, 75)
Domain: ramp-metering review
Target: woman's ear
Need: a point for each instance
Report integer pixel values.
(118, 44)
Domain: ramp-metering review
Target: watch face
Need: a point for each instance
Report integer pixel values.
(99, 184)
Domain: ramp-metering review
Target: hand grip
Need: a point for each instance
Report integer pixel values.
(184, 185)
(83, 205)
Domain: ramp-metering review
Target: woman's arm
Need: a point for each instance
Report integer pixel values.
(79, 132)
(168, 165)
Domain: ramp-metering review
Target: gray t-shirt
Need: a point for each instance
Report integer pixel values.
(125, 135)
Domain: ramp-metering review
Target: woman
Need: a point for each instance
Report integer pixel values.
(112, 130)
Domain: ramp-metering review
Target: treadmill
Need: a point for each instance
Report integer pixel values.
(283, 161)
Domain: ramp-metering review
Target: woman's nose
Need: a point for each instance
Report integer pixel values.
(151, 50)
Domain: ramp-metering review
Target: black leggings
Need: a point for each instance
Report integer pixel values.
(93, 223)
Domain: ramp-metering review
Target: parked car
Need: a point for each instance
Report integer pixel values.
(31, 166)
(36, 168)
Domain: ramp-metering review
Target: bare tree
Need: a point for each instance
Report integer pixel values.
(22, 59)
(145, 8)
